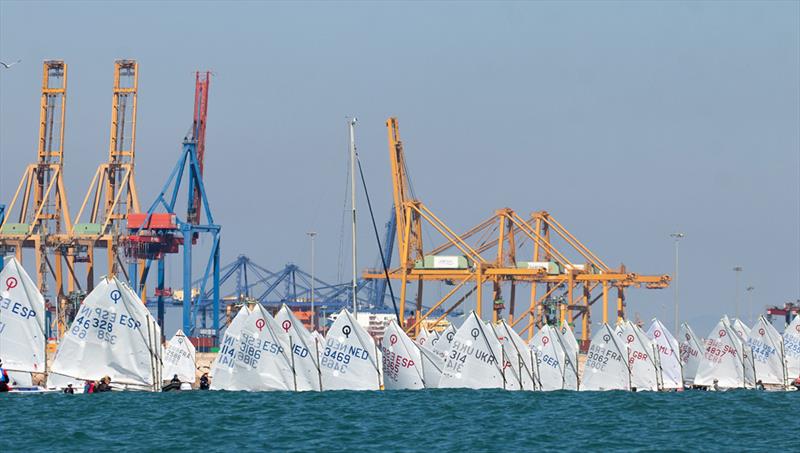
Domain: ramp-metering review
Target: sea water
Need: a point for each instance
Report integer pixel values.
(427, 420)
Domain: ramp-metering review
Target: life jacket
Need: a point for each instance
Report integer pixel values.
(4, 376)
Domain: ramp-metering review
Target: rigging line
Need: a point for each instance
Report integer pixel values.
(498, 365)
(564, 348)
(340, 259)
(519, 354)
(378, 240)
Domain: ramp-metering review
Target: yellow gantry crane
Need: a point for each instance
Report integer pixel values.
(38, 216)
(101, 221)
(565, 277)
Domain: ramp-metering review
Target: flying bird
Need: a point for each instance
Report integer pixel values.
(8, 65)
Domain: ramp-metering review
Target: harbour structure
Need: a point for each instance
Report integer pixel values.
(163, 229)
(37, 217)
(109, 218)
(565, 277)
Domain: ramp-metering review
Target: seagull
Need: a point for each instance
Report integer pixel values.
(8, 65)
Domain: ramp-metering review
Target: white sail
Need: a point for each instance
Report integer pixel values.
(305, 349)
(668, 355)
(473, 360)
(745, 352)
(441, 344)
(432, 362)
(254, 355)
(691, 353)
(20, 379)
(569, 344)
(641, 361)
(766, 346)
(179, 358)
(350, 359)
(22, 336)
(606, 366)
(222, 366)
(722, 358)
(549, 358)
(791, 348)
(423, 337)
(740, 328)
(59, 381)
(113, 335)
(402, 361)
(517, 358)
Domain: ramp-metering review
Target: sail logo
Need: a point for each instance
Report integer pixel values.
(286, 325)
(115, 295)
(11, 283)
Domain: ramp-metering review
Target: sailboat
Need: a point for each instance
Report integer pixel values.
(766, 346)
(791, 346)
(22, 336)
(550, 356)
(691, 353)
(432, 360)
(668, 352)
(642, 361)
(305, 350)
(606, 366)
(473, 360)
(423, 337)
(517, 358)
(402, 360)
(254, 355)
(179, 359)
(350, 359)
(113, 335)
(567, 341)
(723, 358)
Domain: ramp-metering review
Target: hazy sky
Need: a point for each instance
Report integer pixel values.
(627, 121)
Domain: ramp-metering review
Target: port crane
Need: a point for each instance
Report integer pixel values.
(563, 274)
(38, 216)
(162, 230)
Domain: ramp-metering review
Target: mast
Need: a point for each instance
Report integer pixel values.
(353, 205)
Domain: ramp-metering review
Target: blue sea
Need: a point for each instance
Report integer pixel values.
(430, 420)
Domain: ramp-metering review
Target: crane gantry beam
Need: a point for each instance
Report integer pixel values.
(489, 253)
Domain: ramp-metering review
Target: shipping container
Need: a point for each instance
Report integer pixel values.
(550, 267)
(16, 228)
(443, 262)
(161, 221)
(92, 229)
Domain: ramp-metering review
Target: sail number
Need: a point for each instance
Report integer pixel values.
(17, 309)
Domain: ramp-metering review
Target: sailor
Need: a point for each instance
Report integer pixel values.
(759, 385)
(716, 385)
(174, 384)
(68, 389)
(204, 382)
(105, 385)
(796, 383)
(4, 379)
(90, 387)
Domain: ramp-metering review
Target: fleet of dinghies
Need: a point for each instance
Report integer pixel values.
(113, 335)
